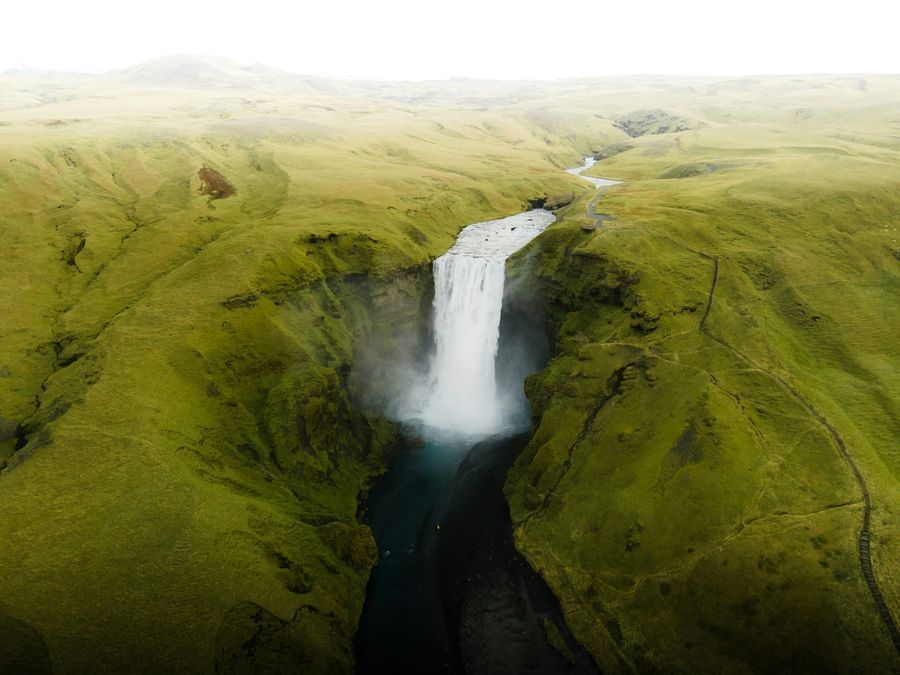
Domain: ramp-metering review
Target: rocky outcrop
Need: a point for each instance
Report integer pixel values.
(551, 202)
(612, 150)
(656, 121)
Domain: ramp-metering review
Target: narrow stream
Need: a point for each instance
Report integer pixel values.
(596, 182)
(450, 593)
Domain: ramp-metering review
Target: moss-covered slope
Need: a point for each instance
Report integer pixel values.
(689, 491)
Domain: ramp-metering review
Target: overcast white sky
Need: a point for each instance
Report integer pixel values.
(418, 39)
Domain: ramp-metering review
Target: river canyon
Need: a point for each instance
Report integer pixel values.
(450, 593)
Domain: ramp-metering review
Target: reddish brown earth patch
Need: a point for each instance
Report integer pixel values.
(214, 184)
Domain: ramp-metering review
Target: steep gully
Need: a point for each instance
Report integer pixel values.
(450, 592)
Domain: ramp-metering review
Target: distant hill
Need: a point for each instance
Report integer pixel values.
(190, 71)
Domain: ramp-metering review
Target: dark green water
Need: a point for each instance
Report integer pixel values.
(450, 593)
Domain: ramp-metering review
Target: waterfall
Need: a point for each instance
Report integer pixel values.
(468, 298)
(460, 393)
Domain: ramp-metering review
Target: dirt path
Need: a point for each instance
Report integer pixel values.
(864, 539)
(592, 214)
(712, 289)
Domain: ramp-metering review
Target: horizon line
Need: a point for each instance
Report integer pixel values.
(25, 69)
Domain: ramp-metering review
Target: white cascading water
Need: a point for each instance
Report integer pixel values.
(468, 298)
(461, 394)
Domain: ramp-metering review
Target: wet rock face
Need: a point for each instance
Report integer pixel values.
(393, 335)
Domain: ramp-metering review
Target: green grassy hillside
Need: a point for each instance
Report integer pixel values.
(181, 455)
(689, 491)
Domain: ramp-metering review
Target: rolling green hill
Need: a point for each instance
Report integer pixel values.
(690, 489)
